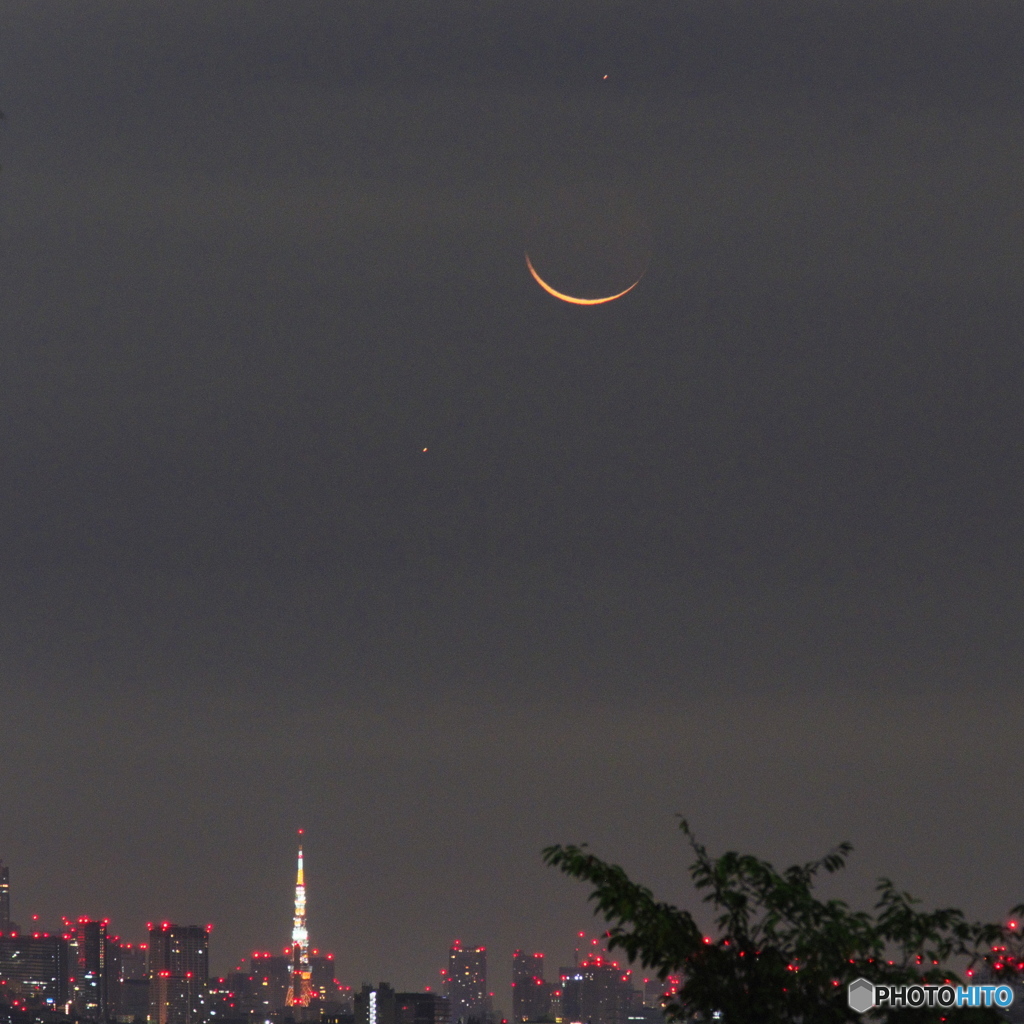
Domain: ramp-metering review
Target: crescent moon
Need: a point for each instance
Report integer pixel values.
(572, 298)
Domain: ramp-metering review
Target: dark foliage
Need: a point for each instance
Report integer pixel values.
(781, 954)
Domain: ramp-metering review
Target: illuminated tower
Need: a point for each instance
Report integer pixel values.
(301, 987)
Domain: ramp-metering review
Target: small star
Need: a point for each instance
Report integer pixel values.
(426, 449)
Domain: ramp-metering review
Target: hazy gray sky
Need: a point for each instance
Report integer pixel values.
(744, 545)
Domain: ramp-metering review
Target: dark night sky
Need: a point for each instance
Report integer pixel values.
(744, 545)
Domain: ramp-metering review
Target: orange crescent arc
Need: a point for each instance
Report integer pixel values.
(572, 298)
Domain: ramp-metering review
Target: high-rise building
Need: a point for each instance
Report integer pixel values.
(598, 991)
(321, 976)
(133, 1005)
(34, 969)
(375, 1005)
(466, 983)
(421, 1008)
(179, 973)
(112, 977)
(300, 991)
(133, 961)
(5, 897)
(271, 977)
(127, 963)
(238, 995)
(531, 994)
(656, 993)
(89, 991)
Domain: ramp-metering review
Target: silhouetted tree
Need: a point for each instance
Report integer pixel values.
(780, 954)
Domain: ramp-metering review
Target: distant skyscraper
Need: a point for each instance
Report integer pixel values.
(5, 897)
(375, 1005)
(133, 961)
(134, 1002)
(658, 992)
(112, 982)
(321, 975)
(598, 991)
(466, 983)
(300, 990)
(421, 1008)
(35, 968)
(531, 995)
(90, 969)
(272, 977)
(179, 973)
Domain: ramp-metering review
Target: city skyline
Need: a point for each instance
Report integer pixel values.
(88, 969)
(166, 935)
(317, 510)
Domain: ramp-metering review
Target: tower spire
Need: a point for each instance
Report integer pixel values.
(300, 988)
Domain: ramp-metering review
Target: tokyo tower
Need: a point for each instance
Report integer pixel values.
(300, 988)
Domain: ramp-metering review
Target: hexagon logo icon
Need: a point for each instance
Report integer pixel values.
(861, 995)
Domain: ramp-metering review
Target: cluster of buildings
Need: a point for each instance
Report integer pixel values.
(85, 973)
(595, 990)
